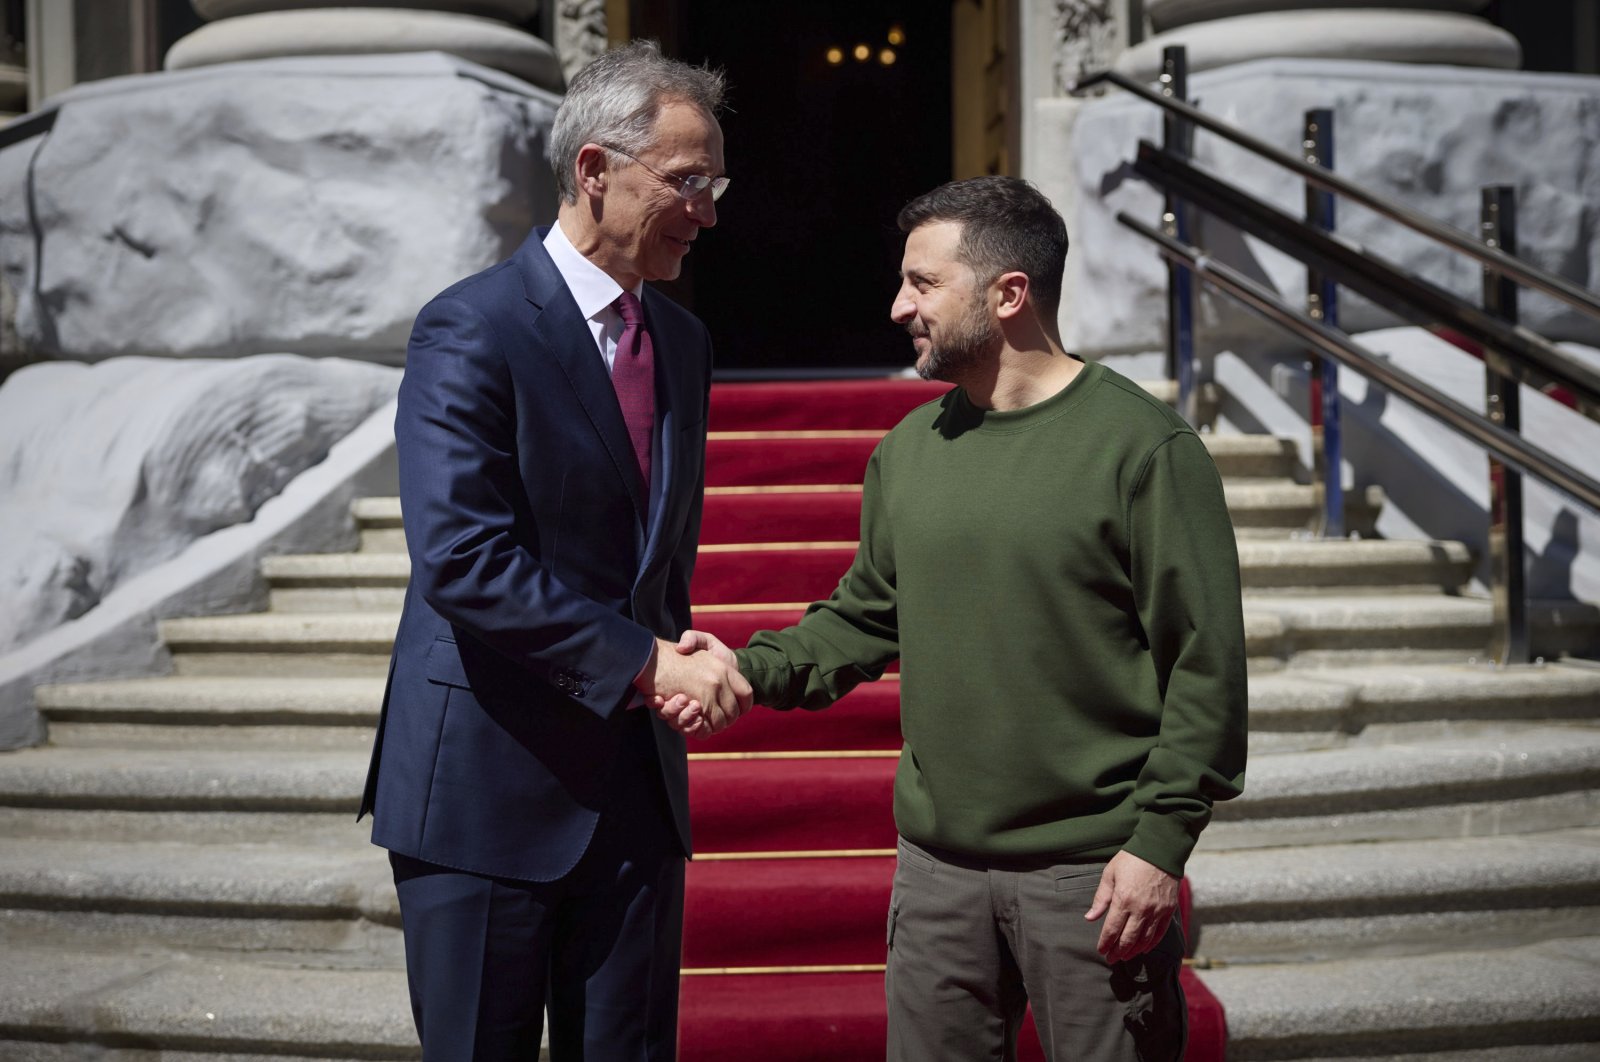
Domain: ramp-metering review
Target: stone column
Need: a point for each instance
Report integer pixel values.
(1223, 32)
(1063, 40)
(1086, 36)
(13, 101)
(482, 31)
(583, 32)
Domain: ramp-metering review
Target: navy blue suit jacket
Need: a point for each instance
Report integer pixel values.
(540, 575)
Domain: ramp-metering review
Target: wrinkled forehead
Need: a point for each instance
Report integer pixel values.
(685, 137)
(934, 247)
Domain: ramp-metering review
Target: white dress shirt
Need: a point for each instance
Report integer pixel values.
(592, 289)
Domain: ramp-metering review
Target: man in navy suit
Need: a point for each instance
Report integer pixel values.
(551, 437)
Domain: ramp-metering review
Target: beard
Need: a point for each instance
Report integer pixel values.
(953, 355)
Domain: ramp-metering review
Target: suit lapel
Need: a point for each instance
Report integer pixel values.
(559, 329)
(670, 404)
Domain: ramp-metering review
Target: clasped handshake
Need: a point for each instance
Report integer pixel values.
(694, 684)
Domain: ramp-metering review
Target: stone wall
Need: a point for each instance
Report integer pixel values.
(113, 468)
(302, 205)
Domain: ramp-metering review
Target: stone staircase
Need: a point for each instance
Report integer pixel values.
(1414, 870)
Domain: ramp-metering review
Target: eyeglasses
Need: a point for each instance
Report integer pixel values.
(689, 187)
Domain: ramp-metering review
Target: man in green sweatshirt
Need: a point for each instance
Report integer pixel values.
(1047, 551)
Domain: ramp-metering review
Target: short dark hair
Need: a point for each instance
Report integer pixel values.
(1006, 224)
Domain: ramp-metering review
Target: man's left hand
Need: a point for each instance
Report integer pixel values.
(1137, 900)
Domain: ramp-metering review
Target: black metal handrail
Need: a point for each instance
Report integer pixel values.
(1508, 446)
(1528, 275)
(1512, 355)
(1536, 361)
(29, 125)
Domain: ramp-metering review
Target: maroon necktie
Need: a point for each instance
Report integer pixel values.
(633, 374)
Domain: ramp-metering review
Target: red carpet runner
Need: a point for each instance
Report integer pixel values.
(788, 894)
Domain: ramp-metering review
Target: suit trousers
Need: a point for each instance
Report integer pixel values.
(970, 944)
(599, 946)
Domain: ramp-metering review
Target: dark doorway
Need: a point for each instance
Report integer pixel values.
(1561, 36)
(823, 151)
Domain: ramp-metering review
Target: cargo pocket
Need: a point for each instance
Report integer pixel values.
(1157, 1017)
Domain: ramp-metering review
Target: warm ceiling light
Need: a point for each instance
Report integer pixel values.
(897, 36)
(863, 53)
(835, 56)
(887, 57)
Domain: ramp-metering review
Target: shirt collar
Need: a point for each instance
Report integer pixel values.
(592, 287)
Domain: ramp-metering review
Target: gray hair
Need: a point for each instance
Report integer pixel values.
(615, 99)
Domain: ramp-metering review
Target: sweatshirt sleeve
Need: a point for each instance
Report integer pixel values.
(841, 642)
(1185, 568)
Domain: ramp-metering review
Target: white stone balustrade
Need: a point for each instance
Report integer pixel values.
(1223, 32)
(1168, 14)
(506, 10)
(481, 31)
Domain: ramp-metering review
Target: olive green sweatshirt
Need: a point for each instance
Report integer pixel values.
(1061, 585)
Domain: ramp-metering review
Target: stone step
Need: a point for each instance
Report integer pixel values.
(1207, 397)
(120, 1003)
(334, 597)
(1506, 780)
(1353, 563)
(1314, 629)
(344, 582)
(1275, 1011)
(376, 512)
(1328, 629)
(218, 737)
(1308, 708)
(383, 540)
(307, 645)
(380, 525)
(1318, 902)
(1498, 781)
(312, 829)
(247, 897)
(258, 780)
(1289, 710)
(185, 712)
(179, 700)
(1241, 459)
(1271, 504)
(1257, 505)
(1533, 1002)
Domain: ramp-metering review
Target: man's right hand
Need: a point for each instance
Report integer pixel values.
(692, 641)
(709, 678)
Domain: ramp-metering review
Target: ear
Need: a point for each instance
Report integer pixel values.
(1012, 294)
(593, 170)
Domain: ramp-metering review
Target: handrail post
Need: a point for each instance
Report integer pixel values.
(1322, 304)
(1508, 642)
(1178, 138)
